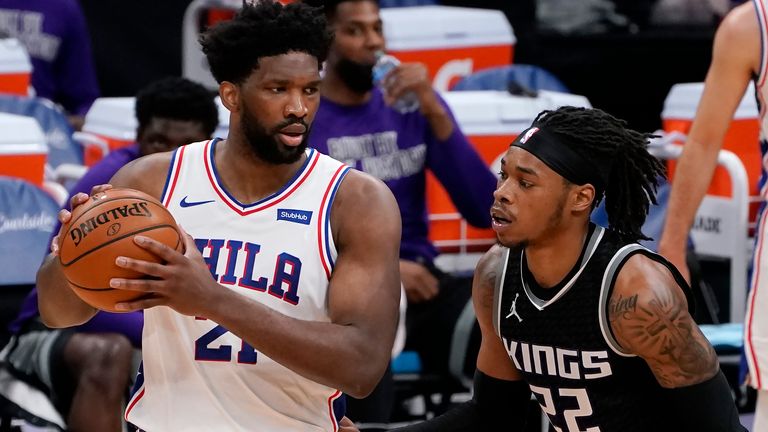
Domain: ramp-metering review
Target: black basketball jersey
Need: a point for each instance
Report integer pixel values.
(561, 342)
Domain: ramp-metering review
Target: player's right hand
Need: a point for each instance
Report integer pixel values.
(65, 215)
(182, 282)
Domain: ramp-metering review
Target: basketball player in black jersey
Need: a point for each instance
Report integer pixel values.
(594, 325)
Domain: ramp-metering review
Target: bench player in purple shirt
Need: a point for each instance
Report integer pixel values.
(55, 34)
(87, 371)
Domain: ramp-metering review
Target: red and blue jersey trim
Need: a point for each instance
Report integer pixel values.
(138, 391)
(172, 179)
(337, 405)
(324, 220)
(245, 209)
(749, 349)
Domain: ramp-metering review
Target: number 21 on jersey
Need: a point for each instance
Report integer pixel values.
(223, 353)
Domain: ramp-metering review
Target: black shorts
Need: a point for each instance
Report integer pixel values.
(36, 356)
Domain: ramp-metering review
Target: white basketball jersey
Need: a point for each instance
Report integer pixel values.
(761, 90)
(279, 251)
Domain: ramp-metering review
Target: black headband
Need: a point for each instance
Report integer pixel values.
(558, 154)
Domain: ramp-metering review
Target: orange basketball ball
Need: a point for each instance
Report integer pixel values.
(101, 230)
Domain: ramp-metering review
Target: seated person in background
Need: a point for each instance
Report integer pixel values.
(56, 37)
(86, 370)
(356, 124)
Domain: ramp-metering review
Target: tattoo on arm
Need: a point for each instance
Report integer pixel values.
(483, 285)
(620, 307)
(490, 287)
(661, 331)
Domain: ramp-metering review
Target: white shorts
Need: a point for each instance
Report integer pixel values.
(756, 319)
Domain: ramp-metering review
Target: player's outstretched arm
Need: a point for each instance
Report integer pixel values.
(500, 396)
(735, 59)
(648, 314)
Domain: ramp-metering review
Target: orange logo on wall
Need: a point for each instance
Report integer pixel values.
(447, 66)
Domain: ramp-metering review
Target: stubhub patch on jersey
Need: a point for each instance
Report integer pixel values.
(292, 215)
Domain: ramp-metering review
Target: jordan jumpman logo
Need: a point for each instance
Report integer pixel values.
(513, 309)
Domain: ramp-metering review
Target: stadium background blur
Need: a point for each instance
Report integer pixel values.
(622, 56)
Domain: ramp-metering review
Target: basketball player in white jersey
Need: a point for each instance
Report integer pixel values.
(740, 55)
(286, 296)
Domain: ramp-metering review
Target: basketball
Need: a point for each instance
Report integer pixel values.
(101, 230)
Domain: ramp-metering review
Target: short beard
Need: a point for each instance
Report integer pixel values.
(358, 77)
(556, 218)
(554, 221)
(265, 145)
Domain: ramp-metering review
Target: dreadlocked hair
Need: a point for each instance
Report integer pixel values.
(634, 175)
(264, 29)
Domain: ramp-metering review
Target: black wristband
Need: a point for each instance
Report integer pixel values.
(463, 418)
(495, 402)
(501, 402)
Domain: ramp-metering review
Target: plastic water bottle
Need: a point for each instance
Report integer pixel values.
(384, 63)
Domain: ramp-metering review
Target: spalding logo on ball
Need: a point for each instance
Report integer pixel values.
(137, 209)
(101, 230)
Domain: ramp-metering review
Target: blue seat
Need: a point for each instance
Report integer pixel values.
(725, 338)
(27, 218)
(406, 362)
(58, 133)
(528, 77)
(654, 222)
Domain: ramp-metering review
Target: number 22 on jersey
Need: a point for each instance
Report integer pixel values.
(583, 407)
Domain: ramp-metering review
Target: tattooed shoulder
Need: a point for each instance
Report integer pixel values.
(485, 276)
(648, 314)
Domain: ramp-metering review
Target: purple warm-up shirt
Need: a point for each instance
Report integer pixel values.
(56, 37)
(398, 148)
(129, 324)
